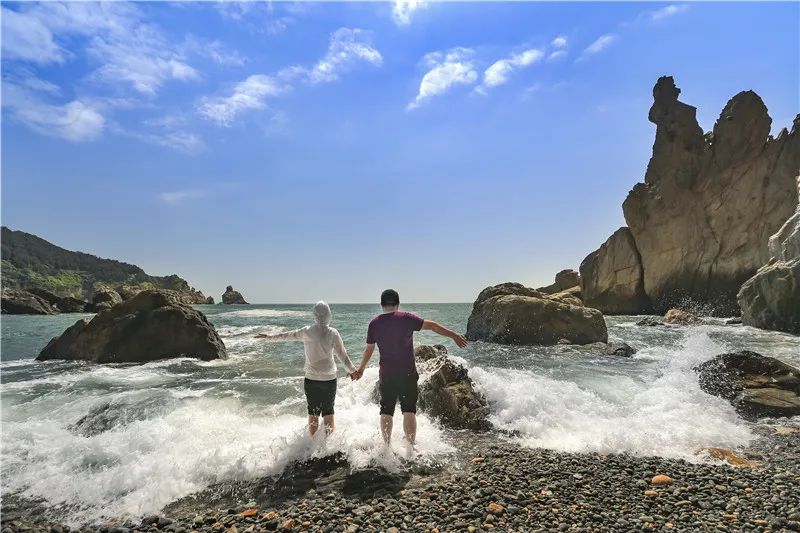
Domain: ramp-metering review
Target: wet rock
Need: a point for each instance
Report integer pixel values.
(426, 352)
(447, 393)
(152, 325)
(648, 321)
(757, 386)
(231, 296)
(620, 349)
(513, 314)
(19, 302)
(661, 479)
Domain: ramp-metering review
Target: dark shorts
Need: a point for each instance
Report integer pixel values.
(403, 388)
(320, 396)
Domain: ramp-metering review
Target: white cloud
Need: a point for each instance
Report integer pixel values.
(403, 9)
(76, 120)
(558, 54)
(215, 50)
(251, 93)
(668, 11)
(454, 67)
(130, 51)
(600, 44)
(26, 37)
(178, 197)
(346, 47)
(559, 42)
(499, 72)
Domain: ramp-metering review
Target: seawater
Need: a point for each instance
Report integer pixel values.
(162, 430)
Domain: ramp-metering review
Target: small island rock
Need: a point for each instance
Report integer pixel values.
(232, 297)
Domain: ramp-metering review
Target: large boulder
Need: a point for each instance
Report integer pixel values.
(18, 302)
(513, 314)
(566, 279)
(152, 325)
(709, 203)
(771, 298)
(63, 304)
(232, 297)
(448, 394)
(757, 386)
(679, 317)
(612, 279)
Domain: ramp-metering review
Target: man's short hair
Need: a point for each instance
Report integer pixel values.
(390, 298)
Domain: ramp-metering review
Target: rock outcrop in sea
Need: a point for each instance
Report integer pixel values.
(757, 386)
(19, 302)
(511, 313)
(698, 225)
(447, 393)
(152, 325)
(232, 297)
(771, 298)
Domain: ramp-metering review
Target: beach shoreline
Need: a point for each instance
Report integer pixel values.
(493, 484)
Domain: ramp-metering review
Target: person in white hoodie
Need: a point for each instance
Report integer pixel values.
(320, 342)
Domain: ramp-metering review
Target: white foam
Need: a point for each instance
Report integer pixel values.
(664, 413)
(261, 313)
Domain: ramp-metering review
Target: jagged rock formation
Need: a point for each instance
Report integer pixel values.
(152, 325)
(612, 279)
(566, 279)
(209, 300)
(701, 220)
(757, 386)
(232, 297)
(771, 298)
(511, 313)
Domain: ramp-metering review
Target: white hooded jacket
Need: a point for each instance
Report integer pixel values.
(320, 342)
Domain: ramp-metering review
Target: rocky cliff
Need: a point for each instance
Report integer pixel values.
(701, 219)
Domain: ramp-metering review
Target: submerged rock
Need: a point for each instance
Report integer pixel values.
(18, 302)
(152, 325)
(757, 386)
(771, 298)
(232, 297)
(449, 394)
(620, 349)
(612, 279)
(513, 314)
(649, 321)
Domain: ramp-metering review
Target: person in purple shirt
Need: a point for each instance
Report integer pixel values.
(393, 332)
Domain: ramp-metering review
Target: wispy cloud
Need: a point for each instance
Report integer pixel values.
(600, 44)
(559, 42)
(446, 69)
(557, 54)
(668, 11)
(251, 93)
(499, 72)
(347, 47)
(77, 120)
(214, 50)
(25, 37)
(179, 197)
(402, 10)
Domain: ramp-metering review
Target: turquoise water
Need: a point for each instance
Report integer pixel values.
(128, 439)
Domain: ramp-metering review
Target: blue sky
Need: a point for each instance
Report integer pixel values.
(329, 150)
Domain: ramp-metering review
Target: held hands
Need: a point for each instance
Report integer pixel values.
(355, 376)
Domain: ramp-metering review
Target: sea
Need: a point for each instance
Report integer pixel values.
(100, 441)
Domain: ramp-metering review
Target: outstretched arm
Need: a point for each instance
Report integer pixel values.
(296, 335)
(458, 338)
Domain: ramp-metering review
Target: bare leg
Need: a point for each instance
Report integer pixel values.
(410, 427)
(329, 426)
(313, 423)
(386, 428)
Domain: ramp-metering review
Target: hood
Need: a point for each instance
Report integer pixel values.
(322, 313)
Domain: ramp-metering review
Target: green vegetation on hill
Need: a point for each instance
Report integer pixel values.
(29, 261)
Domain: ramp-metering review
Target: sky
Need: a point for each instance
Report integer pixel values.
(305, 151)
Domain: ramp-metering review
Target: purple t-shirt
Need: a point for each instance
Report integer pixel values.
(394, 332)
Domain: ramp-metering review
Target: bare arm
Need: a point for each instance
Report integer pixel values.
(458, 338)
(341, 353)
(296, 335)
(368, 351)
